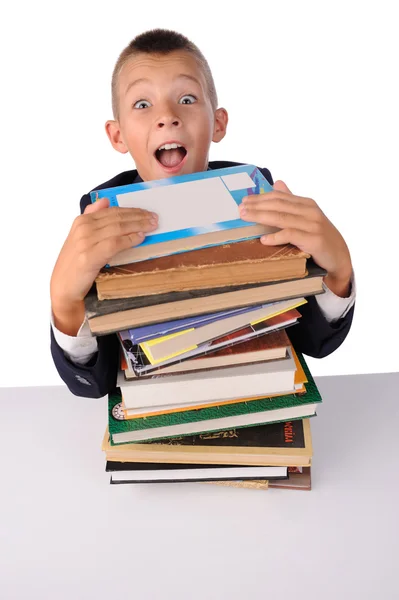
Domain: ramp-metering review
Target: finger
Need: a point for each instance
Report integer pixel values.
(279, 219)
(296, 237)
(276, 195)
(96, 206)
(121, 228)
(121, 213)
(282, 205)
(107, 248)
(281, 187)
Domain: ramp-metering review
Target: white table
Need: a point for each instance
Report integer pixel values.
(65, 533)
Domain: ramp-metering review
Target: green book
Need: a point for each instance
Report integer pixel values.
(216, 418)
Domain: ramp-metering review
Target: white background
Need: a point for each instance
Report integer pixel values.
(311, 90)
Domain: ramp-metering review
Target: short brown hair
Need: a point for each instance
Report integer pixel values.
(160, 41)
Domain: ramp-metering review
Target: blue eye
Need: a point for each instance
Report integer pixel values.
(188, 96)
(140, 102)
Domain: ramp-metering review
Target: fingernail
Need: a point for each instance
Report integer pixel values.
(154, 215)
(153, 222)
(242, 210)
(140, 234)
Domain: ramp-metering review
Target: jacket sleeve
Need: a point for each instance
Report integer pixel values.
(95, 379)
(314, 335)
(98, 377)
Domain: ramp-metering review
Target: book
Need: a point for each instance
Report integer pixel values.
(140, 365)
(252, 484)
(194, 210)
(239, 381)
(160, 349)
(238, 263)
(180, 473)
(287, 443)
(156, 330)
(299, 478)
(216, 418)
(111, 316)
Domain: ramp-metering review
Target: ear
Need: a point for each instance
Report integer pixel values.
(220, 126)
(114, 134)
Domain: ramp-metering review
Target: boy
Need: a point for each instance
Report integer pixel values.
(165, 115)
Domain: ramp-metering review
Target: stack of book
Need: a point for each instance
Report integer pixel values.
(210, 387)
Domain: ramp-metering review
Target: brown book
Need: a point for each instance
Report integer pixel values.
(109, 316)
(238, 263)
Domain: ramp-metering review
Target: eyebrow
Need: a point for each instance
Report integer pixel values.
(146, 80)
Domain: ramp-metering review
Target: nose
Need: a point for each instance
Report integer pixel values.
(168, 118)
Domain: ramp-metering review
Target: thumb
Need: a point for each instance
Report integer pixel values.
(96, 206)
(281, 187)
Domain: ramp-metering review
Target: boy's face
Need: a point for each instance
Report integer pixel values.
(165, 100)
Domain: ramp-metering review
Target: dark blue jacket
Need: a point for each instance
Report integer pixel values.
(312, 335)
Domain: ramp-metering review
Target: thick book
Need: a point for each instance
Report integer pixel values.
(243, 262)
(194, 211)
(178, 473)
(166, 347)
(239, 381)
(241, 414)
(140, 365)
(286, 443)
(111, 316)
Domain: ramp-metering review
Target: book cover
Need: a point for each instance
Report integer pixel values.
(211, 216)
(129, 430)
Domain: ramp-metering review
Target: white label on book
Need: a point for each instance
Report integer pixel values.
(238, 181)
(191, 204)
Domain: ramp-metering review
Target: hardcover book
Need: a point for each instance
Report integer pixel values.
(231, 264)
(286, 443)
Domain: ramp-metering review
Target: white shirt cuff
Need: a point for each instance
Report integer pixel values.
(79, 349)
(334, 307)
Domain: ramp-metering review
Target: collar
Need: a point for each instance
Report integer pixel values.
(139, 180)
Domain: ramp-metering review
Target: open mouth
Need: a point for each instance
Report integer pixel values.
(171, 156)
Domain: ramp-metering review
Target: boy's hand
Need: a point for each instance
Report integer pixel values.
(95, 236)
(304, 225)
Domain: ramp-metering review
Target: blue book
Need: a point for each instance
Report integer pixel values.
(195, 211)
(148, 332)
